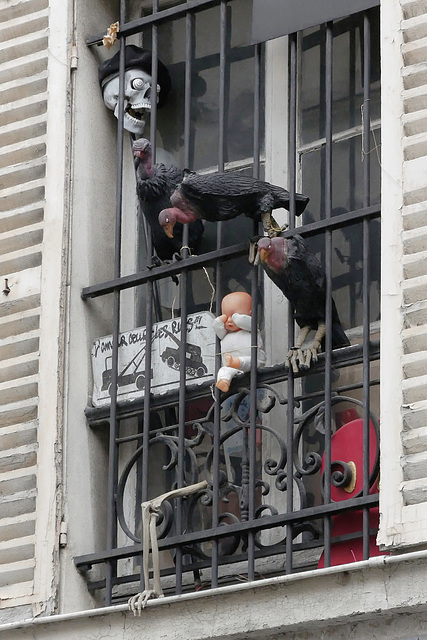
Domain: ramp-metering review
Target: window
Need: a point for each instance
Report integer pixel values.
(267, 448)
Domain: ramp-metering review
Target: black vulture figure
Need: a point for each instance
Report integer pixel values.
(154, 186)
(223, 196)
(300, 276)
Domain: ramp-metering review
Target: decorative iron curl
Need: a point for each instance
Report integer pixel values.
(231, 488)
(311, 465)
(207, 499)
(227, 545)
(264, 403)
(230, 544)
(164, 522)
(265, 487)
(341, 477)
(282, 481)
(313, 460)
(273, 467)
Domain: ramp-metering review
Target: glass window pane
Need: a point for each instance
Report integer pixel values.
(239, 81)
(347, 176)
(347, 77)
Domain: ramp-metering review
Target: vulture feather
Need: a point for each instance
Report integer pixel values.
(222, 196)
(154, 186)
(298, 273)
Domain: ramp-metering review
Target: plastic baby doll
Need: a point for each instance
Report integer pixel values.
(233, 328)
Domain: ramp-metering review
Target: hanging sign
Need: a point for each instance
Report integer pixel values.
(166, 362)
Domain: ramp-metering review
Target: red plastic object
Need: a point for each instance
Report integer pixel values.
(347, 446)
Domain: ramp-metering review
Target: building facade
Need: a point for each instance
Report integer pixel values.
(305, 530)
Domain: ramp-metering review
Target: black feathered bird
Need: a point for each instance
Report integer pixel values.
(223, 196)
(300, 276)
(154, 186)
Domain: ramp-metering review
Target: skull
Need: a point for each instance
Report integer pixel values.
(137, 98)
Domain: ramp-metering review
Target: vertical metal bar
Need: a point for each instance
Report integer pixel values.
(154, 290)
(328, 119)
(179, 517)
(366, 274)
(257, 114)
(352, 161)
(114, 423)
(147, 401)
(218, 276)
(293, 76)
(183, 280)
(366, 110)
(252, 426)
(216, 433)
(154, 74)
(352, 112)
(222, 64)
(189, 61)
(254, 333)
(190, 54)
(149, 303)
(328, 272)
(322, 115)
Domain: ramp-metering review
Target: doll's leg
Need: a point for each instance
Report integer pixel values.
(224, 378)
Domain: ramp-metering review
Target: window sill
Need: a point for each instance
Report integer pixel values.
(345, 356)
(276, 606)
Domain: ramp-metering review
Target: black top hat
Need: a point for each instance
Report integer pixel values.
(141, 59)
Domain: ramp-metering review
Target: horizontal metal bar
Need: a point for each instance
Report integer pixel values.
(157, 273)
(343, 390)
(344, 357)
(311, 513)
(266, 552)
(173, 13)
(335, 222)
(227, 253)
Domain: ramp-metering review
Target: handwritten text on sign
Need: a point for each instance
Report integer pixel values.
(166, 358)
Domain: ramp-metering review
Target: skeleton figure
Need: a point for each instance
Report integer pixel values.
(150, 513)
(137, 98)
(138, 90)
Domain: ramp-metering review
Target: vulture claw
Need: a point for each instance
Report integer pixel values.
(271, 227)
(301, 359)
(156, 262)
(294, 359)
(276, 230)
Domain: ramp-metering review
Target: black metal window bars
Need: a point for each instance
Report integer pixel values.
(232, 524)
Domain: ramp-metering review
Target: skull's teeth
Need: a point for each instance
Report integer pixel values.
(136, 113)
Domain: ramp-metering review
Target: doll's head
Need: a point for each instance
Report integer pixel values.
(237, 302)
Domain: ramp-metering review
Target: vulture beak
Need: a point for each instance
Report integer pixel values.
(168, 229)
(262, 255)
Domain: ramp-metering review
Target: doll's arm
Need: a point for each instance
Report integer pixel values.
(242, 321)
(219, 326)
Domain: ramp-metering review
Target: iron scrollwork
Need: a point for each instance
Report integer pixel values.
(233, 492)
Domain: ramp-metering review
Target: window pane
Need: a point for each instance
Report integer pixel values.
(347, 270)
(347, 176)
(347, 76)
(205, 107)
